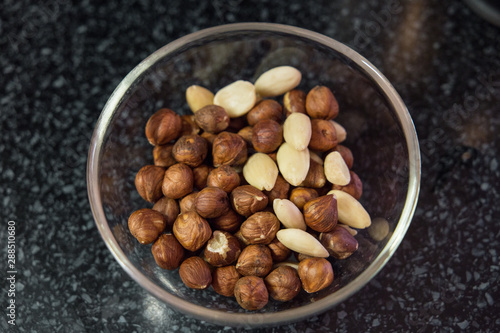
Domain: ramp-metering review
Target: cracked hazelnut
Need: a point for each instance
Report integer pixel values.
(146, 225)
(339, 242)
(200, 175)
(323, 135)
(251, 293)
(191, 230)
(169, 208)
(189, 127)
(320, 214)
(301, 195)
(222, 249)
(247, 200)
(229, 222)
(211, 202)
(255, 260)
(315, 177)
(163, 157)
(178, 181)
(224, 280)
(190, 150)
(354, 188)
(212, 118)
(279, 252)
(168, 252)
(163, 126)
(315, 274)
(295, 101)
(224, 177)
(260, 228)
(187, 203)
(346, 154)
(265, 109)
(229, 149)
(283, 283)
(279, 191)
(267, 136)
(195, 273)
(148, 182)
(320, 103)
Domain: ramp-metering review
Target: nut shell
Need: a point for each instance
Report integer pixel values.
(148, 182)
(224, 177)
(146, 225)
(251, 293)
(168, 252)
(190, 150)
(178, 181)
(211, 202)
(320, 214)
(169, 208)
(192, 231)
(224, 280)
(320, 103)
(247, 200)
(222, 249)
(255, 260)
(260, 228)
(283, 283)
(163, 126)
(315, 274)
(229, 149)
(212, 118)
(265, 109)
(195, 273)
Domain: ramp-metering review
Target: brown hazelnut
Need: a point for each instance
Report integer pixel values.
(189, 127)
(260, 228)
(273, 156)
(251, 293)
(255, 260)
(169, 208)
(210, 137)
(265, 109)
(295, 101)
(243, 241)
(236, 124)
(339, 242)
(315, 274)
(247, 200)
(354, 188)
(163, 157)
(320, 214)
(178, 181)
(346, 154)
(163, 126)
(222, 249)
(229, 222)
(148, 182)
(320, 103)
(267, 136)
(224, 279)
(211, 202)
(246, 134)
(301, 256)
(191, 230)
(315, 177)
(229, 149)
(167, 251)
(200, 175)
(195, 273)
(146, 225)
(283, 283)
(279, 252)
(323, 135)
(224, 177)
(187, 203)
(212, 118)
(279, 191)
(190, 150)
(301, 195)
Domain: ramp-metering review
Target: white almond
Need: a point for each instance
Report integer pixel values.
(315, 157)
(277, 81)
(336, 170)
(288, 214)
(237, 98)
(350, 211)
(302, 242)
(293, 163)
(198, 97)
(340, 130)
(297, 130)
(260, 171)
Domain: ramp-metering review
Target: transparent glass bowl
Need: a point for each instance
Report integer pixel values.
(380, 134)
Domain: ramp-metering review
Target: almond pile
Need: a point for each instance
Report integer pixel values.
(251, 196)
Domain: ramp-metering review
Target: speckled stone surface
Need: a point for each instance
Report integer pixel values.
(60, 60)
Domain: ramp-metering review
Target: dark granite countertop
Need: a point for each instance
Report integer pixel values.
(61, 59)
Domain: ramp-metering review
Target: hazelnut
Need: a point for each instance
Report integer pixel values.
(315, 274)
(301, 256)
(295, 101)
(229, 222)
(301, 195)
(260, 228)
(190, 150)
(339, 242)
(191, 230)
(320, 103)
(265, 109)
(323, 135)
(212, 118)
(146, 225)
(187, 203)
(251, 293)
(315, 177)
(167, 251)
(273, 156)
(224, 279)
(247, 200)
(255, 260)
(229, 149)
(211, 202)
(279, 252)
(283, 283)
(320, 214)
(224, 177)
(148, 182)
(267, 136)
(200, 175)
(169, 208)
(163, 126)
(210, 137)
(163, 157)
(246, 134)
(195, 273)
(237, 124)
(189, 127)
(243, 241)
(222, 249)
(354, 188)
(346, 154)
(178, 181)
(279, 191)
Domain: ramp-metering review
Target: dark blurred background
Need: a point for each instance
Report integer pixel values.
(59, 62)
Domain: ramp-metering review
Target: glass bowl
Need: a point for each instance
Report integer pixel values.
(380, 134)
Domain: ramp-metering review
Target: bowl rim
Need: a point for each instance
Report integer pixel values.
(254, 319)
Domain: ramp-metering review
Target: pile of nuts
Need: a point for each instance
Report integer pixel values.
(251, 197)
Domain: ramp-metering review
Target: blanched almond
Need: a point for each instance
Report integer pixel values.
(350, 211)
(288, 214)
(277, 81)
(198, 97)
(260, 171)
(297, 130)
(341, 132)
(336, 170)
(302, 242)
(236, 98)
(293, 163)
